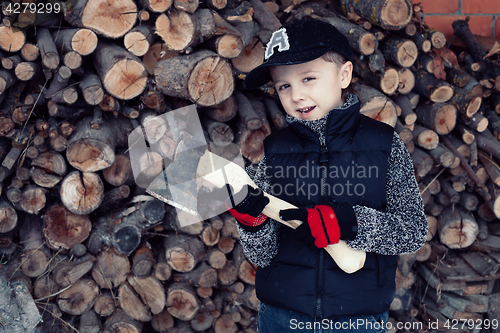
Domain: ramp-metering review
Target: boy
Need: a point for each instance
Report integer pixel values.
(351, 178)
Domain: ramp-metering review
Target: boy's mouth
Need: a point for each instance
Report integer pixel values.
(306, 110)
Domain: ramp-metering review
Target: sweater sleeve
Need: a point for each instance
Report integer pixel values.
(402, 228)
(260, 246)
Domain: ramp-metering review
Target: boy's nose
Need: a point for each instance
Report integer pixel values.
(297, 95)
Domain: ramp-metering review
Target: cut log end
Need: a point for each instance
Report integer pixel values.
(112, 20)
(396, 14)
(211, 81)
(126, 79)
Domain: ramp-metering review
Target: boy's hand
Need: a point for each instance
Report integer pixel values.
(247, 205)
(320, 222)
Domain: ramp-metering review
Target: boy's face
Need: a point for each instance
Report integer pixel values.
(312, 89)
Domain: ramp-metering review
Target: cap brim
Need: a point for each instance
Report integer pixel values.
(261, 75)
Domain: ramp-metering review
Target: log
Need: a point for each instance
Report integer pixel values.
(120, 172)
(13, 38)
(422, 162)
(82, 193)
(203, 77)
(91, 88)
(182, 302)
(48, 49)
(388, 14)
(457, 229)
(425, 138)
(143, 261)
(245, 270)
(67, 274)
(89, 322)
(402, 52)
(162, 321)
(37, 255)
(26, 71)
(183, 252)
(406, 80)
(151, 292)
(387, 81)
(121, 322)
(440, 117)
(251, 57)
(432, 88)
(465, 102)
(407, 113)
(8, 217)
(122, 74)
(79, 298)
(436, 37)
(110, 269)
(92, 15)
(138, 40)
(248, 115)
(375, 104)
(202, 276)
(224, 111)
(219, 133)
(104, 304)
(442, 156)
(80, 40)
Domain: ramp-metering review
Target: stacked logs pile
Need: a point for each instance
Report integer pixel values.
(97, 253)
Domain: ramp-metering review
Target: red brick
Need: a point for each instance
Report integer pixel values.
(480, 7)
(479, 25)
(439, 6)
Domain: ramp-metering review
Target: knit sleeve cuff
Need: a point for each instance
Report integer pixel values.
(253, 228)
(347, 221)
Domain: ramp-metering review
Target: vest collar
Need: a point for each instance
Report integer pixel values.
(339, 121)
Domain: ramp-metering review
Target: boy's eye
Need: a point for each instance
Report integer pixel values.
(308, 79)
(283, 86)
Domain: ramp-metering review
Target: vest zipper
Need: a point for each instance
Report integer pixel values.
(323, 160)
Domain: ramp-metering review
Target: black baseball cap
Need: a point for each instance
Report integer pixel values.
(296, 43)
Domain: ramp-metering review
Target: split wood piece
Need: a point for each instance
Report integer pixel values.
(422, 43)
(110, 269)
(8, 217)
(91, 88)
(177, 29)
(202, 276)
(245, 270)
(440, 117)
(203, 77)
(89, 322)
(224, 111)
(216, 258)
(424, 137)
(12, 39)
(67, 274)
(251, 57)
(457, 229)
(138, 40)
(406, 80)
(210, 236)
(225, 324)
(442, 156)
(122, 74)
(37, 255)
(375, 104)
(26, 71)
(359, 39)
(183, 252)
(79, 297)
(151, 292)
(401, 51)
(121, 322)
(48, 49)
(91, 150)
(82, 193)
(143, 261)
(386, 81)
(427, 85)
(407, 113)
(83, 41)
(182, 302)
(120, 172)
(404, 132)
(104, 304)
(162, 321)
(246, 112)
(7, 79)
(436, 37)
(388, 14)
(156, 6)
(63, 229)
(45, 287)
(162, 270)
(228, 274)
(95, 15)
(465, 102)
(422, 162)
(33, 199)
(48, 169)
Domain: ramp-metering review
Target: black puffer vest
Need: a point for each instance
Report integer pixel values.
(349, 165)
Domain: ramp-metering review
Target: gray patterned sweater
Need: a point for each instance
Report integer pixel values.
(400, 229)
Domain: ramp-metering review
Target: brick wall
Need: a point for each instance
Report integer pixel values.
(484, 15)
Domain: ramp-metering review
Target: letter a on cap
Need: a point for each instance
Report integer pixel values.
(280, 39)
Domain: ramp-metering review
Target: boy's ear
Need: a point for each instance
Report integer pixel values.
(346, 74)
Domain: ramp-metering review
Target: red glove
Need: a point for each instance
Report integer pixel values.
(321, 221)
(248, 205)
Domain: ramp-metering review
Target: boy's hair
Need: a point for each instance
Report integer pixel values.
(339, 60)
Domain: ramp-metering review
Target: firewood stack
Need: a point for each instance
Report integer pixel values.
(98, 254)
